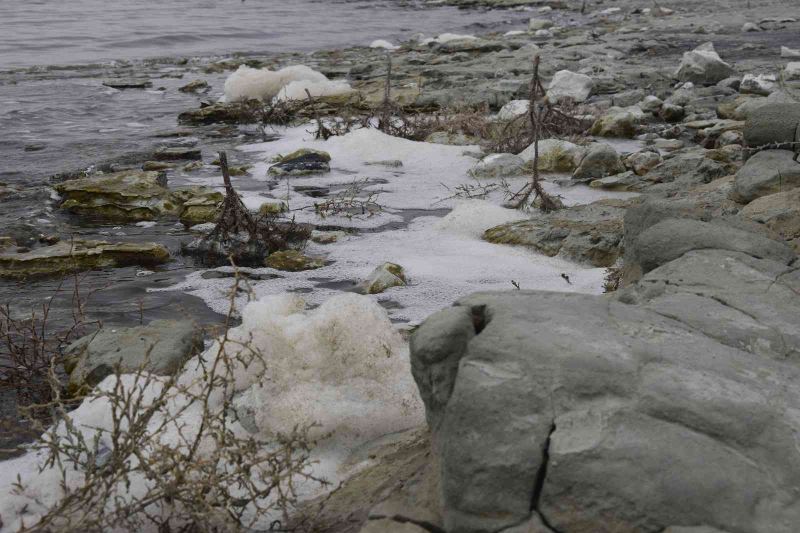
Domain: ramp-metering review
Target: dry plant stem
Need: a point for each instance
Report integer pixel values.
(156, 468)
(536, 115)
(322, 132)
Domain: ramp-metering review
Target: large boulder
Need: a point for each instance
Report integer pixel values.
(671, 238)
(774, 124)
(667, 408)
(767, 172)
(571, 86)
(704, 66)
(160, 348)
(780, 212)
(590, 233)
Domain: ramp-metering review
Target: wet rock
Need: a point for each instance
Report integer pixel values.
(292, 261)
(122, 196)
(161, 347)
(177, 154)
(194, 165)
(195, 86)
(704, 66)
(301, 163)
(391, 163)
(128, 83)
(651, 104)
(750, 27)
(642, 162)
(229, 113)
(767, 172)
(156, 166)
(684, 169)
(384, 277)
(567, 85)
(590, 233)
(130, 196)
(555, 155)
(78, 255)
(762, 84)
(617, 122)
(672, 113)
(619, 182)
(601, 160)
(780, 212)
(268, 209)
(201, 208)
(469, 45)
(539, 24)
(327, 237)
(498, 166)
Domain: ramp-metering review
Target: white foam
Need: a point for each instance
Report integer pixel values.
(381, 43)
(342, 366)
(264, 84)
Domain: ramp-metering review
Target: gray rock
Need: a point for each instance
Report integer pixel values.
(601, 160)
(618, 122)
(498, 166)
(570, 406)
(590, 233)
(161, 347)
(703, 65)
(671, 238)
(567, 85)
(780, 212)
(772, 124)
(763, 84)
(767, 172)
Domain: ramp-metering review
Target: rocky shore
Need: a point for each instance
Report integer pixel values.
(666, 404)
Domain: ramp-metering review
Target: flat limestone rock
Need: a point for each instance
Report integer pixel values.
(74, 256)
(590, 233)
(767, 172)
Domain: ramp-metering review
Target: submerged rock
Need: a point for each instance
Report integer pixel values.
(194, 86)
(78, 255)
(161, 348)
(590, 233)
(128, 83)
(302, 162)
(382, 278)
(292, 261)
(177, 154)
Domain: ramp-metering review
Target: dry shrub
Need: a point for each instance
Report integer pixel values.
(168, 457)
(242, 238)
(30, 349)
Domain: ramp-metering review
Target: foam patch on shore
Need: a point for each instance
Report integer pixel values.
(264, 84)
(342, 366)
